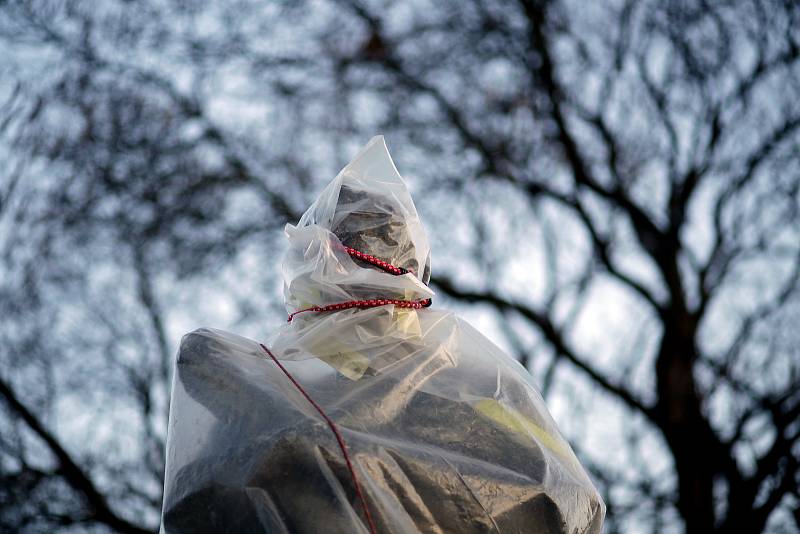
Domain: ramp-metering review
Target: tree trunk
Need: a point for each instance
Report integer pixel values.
(684, 426)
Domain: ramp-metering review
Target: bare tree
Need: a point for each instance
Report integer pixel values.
(614, 189)
(119, 184)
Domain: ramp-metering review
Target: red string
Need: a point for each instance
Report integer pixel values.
(336, 433)
(371, 303)
(362, 304)
(377, 262)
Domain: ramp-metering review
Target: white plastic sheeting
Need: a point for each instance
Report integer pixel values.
(445, 431)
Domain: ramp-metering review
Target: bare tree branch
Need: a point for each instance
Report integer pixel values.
(551, 332)
(76, 477)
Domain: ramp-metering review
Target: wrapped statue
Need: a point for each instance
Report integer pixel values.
(370, 410)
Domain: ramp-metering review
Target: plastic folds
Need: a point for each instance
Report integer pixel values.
(445, 431)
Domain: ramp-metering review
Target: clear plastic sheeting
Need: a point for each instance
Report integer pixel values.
(445, 431)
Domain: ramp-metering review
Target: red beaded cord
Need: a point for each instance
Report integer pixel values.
(371, 303)
(337, 434)
(377, 262)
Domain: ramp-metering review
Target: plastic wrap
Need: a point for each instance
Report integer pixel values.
(446, 433)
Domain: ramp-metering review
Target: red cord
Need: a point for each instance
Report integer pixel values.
(377, 262)
(415, 304)
(372, 303)
(336, 433)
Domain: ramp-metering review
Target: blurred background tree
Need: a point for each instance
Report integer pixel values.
(611, 190)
